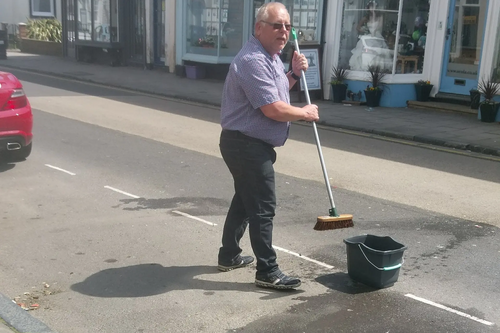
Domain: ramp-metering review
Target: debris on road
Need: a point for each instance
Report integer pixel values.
(31, 300)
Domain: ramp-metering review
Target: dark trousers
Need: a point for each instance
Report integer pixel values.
(250, 162)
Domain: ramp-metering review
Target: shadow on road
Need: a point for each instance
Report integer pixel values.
(153, 279)
(6, 166)
(190, 205)
(343, 283)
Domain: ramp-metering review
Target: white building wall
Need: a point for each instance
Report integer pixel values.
(14, 11)
(18, 11)
(490, 36)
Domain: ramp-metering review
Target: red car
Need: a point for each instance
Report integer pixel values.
(16, 119)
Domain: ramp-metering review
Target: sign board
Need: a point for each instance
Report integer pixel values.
(313, 77)
(468, 20)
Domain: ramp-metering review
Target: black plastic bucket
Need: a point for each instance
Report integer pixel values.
(374, 260)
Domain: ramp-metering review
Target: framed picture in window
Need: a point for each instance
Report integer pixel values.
(312, 75)
(215, 14)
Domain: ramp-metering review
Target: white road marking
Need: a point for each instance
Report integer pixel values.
(303, 257)
(122, 192)
(56, 168)
(194, 217)
(423, 300)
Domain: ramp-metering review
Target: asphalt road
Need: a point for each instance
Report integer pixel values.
(115, 220)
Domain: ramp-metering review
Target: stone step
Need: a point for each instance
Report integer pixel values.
(442, 106)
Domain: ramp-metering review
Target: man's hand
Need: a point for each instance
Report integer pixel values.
(299, 63)
(311, 112)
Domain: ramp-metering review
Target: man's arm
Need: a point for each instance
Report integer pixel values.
(281, 111)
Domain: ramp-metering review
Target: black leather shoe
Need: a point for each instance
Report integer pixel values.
(240, 261)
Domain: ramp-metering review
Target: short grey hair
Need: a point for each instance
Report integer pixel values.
(263, 12)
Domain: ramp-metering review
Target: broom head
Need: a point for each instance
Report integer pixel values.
(334, 222)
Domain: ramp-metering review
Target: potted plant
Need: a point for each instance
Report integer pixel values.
(475, 98)
(488, 108)
(423, 89)
(339, 88)
(373, 94)
(207, 41)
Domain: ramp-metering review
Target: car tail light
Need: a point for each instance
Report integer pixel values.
(16, 101)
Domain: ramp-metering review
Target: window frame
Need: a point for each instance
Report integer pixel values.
(50, 14)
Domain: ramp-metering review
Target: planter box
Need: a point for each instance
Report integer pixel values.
(41, 47)
(195, 72)
(373, 97)
(339, 92)
(488, 112)
(475, 98)
(423, 91)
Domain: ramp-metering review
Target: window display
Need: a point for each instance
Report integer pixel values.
(84, 20)
(98, 20)
(370, 29)
(215, 27)
(305, 18)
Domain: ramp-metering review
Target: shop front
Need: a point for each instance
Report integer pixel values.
(108, 30)
(441, 41)
(211, 32)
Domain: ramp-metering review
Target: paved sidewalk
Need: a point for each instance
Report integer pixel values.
(20, 319)
(450, 129)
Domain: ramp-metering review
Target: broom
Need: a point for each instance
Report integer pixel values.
(333, 220)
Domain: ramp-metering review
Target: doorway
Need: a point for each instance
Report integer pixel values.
(464, 40)
(159, 32)
(136, 39)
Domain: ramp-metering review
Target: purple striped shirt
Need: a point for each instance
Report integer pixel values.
(255, 79)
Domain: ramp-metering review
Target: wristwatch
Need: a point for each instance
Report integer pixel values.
(295, 77)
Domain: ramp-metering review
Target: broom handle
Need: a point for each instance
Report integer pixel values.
(333, 211)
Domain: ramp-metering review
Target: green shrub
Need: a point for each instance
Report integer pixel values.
(46, 29)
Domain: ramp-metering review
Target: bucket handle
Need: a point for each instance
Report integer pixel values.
(390, 268)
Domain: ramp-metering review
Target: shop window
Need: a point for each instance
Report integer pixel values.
(42, 8)
(370, 30)
(215, 27)
(304, 16)
(97, 20)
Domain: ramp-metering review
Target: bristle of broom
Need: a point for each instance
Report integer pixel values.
(334, 222)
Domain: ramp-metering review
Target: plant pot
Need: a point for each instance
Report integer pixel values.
(339, 92)
(423, 91)
(195, 72)
(373, 97)
(475, 98)
(488, 112)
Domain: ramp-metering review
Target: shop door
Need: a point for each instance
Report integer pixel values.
(69, 28)
(159, 32)
(136, 21)
(464, 39)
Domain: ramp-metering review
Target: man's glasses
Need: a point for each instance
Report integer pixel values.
(278, 26)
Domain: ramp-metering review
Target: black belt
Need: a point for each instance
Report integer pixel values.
(239, 135)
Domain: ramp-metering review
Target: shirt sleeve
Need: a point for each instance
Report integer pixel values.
(258, 80)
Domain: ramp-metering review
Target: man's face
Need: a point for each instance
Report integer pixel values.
(273, 40)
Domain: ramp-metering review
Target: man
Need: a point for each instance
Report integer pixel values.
(255, 117)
